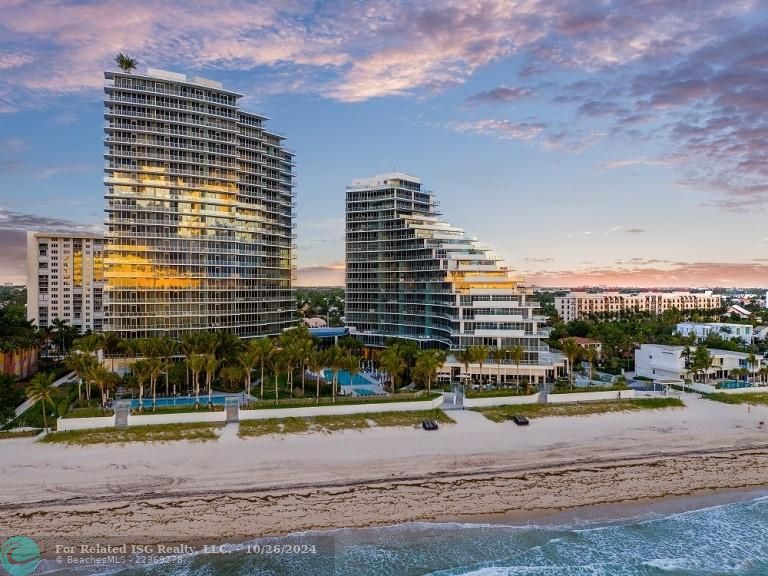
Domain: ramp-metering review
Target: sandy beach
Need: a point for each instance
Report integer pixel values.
(235, 489)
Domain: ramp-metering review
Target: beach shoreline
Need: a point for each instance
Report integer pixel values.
(237, 490)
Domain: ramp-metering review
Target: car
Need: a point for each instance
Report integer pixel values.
(520, 420)
(429, 425)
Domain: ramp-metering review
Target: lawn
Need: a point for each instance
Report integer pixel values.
(196, 432)
(504, 413)
(576, 390)
(499, 392)
(24, 434)
(329, 424)
(756, 398)
(328, 401)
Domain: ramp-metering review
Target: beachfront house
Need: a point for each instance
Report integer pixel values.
(662, 362)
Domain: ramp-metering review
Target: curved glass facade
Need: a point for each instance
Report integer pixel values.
(199, 202)
(412, 275)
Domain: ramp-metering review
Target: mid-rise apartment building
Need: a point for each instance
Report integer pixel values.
(65, 279)
(581, 304)
(725, 330)
(200, 210)
(411, 275)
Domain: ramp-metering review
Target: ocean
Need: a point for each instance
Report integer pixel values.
(728, 538)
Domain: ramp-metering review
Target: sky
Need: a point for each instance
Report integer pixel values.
(617, 142)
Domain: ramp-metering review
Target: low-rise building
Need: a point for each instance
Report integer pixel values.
(577, 305)
(725, 330)
(662, 362)
(588, 344)
(738, 311)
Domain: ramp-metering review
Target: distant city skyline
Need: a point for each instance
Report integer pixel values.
(619, 144)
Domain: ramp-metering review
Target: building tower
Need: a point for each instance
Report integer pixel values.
(199, 202)
(411, 275)
(65, 279)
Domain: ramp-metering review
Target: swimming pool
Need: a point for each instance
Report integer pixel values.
(179, 401)
(732, 384)
(346, 380)
(364, 392)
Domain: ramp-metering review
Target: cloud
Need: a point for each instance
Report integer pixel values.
(13, 145)
(13, 239)
(326, 275)
(635, 230)
(664, 160)
(48, 172)
(500, 94)
(503, 129)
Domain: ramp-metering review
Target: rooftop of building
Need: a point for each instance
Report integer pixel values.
(712, 351)
(583, 341)
(383, 180)
(715, 324)
(637, 293)
(66, 234)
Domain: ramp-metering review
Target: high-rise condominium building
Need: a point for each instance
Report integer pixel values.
(581, 304)
(65, 279)
(412, 275)
(199, 210)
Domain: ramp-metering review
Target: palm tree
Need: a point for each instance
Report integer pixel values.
(211, 365)
(427, 363)
(518, 353)
(264, 349)
(335, 358)
(572, 351)
(763, 373)
(188, 347)
(110, 345)
(196, 365)
(40, 390)
(316, 363)
(480, 355)
(233, 375)
(141, 371)
(125, 63)
(351, 364)
(104, 380)
(466, 357)
(167, 347)
(394, 364)
(249, 357)
(499, 355)
(751, 363)
(279, 362)
(155, 369)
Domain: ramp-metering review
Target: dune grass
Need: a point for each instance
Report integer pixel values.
(6, 435)
(756, 398)
(330, 424)
(195, 431)
(504, 413)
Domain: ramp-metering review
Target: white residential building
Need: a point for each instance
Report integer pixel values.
(412, 275)
(581, 304)
(65, 279)
(725, 330)
(661, 362)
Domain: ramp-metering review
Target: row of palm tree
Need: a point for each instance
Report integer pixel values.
(480, 355)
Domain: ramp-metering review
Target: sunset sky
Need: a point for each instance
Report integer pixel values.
(588, 142)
